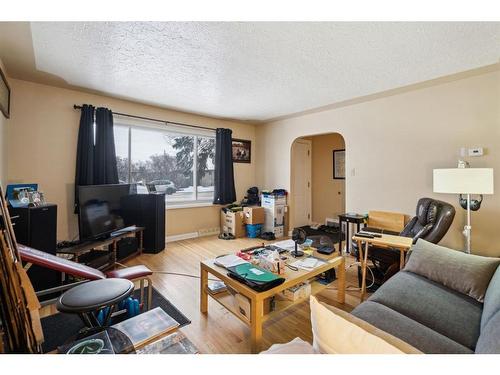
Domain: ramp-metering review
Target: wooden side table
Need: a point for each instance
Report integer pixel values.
(403, 244)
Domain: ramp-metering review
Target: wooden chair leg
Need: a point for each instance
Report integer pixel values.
(150, 293)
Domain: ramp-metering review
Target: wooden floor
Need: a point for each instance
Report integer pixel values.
(219, 331)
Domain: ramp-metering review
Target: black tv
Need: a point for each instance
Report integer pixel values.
(100, 209)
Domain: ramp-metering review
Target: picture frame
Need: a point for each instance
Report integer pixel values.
(242, 151)
(4, 95)
(339, 164)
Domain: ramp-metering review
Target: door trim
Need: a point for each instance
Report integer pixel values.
(292, 184)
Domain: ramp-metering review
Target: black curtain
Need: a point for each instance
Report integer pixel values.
(85, 151)
(224, 191)
(105, 168)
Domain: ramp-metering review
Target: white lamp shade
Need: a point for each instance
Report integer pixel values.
(463, 180)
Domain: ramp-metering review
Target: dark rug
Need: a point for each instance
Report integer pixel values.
(333, 234)
(62, 328)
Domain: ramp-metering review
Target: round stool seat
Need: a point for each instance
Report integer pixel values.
(94, 295)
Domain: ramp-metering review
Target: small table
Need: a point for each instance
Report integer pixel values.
(403, 244)
(349, 218)
(258, 315)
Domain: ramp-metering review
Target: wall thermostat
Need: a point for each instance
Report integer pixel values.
(478, 151)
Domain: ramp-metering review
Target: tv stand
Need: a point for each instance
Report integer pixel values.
(103, 245)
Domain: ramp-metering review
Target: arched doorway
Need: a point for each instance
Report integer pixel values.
(317, 193)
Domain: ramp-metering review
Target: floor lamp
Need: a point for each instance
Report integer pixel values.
(465, 181)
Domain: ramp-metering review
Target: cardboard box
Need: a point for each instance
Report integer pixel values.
(297, 292)
(233, 222)
(274, 217)
(271, 201)
(254, 215)
(242, 305)
(278, 231)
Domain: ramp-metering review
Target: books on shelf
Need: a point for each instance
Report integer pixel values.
(146, 327)
(215, 287)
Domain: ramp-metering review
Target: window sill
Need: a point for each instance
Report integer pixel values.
(179, 205)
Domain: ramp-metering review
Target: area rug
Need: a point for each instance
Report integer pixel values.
(61, 328)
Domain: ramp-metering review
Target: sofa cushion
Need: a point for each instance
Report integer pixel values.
(489, 340)
(338, 332)
(465, 273)
(491, 299)
(443, 310)
(410, 331)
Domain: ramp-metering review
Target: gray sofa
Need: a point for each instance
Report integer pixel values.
(443, 301)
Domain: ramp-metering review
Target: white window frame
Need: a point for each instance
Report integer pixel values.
(170, 129)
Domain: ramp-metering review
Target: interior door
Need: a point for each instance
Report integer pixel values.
(301, 182)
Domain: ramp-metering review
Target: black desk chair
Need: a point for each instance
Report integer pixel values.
(432, 221)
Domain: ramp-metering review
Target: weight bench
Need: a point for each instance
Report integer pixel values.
(139, 273)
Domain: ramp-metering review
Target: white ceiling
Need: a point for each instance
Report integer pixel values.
(257, 71)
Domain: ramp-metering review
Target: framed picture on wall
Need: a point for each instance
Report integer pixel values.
(4, 95)
(339, 164)
(242, 151)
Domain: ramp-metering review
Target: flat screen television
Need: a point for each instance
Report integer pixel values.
(100, 209)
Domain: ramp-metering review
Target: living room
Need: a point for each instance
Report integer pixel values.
(249, 187)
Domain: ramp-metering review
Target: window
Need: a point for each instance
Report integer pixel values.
(177, 162)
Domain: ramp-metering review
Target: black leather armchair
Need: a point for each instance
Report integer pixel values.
(432, 221)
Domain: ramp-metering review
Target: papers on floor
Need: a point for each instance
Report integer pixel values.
(308, 264)
(229, 260)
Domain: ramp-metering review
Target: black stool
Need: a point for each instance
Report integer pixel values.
(87, 299)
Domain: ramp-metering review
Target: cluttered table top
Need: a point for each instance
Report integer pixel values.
(276, 258)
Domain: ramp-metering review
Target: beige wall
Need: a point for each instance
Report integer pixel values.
(3, 140)
(327, 193)
(394, 142)
(42, 137)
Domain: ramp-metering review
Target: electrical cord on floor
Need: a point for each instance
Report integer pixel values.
(182, 274)
(171, 273)
(348, 289)
(353, 289)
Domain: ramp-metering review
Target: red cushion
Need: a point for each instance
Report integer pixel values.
(130, 273)
(56, 263)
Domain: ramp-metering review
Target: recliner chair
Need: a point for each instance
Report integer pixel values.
(432, 221)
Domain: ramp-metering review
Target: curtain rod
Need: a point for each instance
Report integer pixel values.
(154, 119)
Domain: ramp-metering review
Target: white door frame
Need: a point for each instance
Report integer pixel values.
(308, 179)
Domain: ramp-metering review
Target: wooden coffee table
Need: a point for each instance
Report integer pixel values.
(258, 314)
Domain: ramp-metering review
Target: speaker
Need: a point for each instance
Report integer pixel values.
(147, 210)
(36, 227)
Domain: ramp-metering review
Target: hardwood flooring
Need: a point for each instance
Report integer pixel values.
(219, 331)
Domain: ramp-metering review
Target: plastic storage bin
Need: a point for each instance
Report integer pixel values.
(254, 230)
